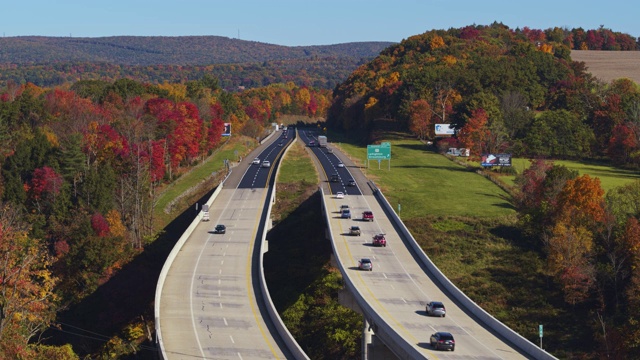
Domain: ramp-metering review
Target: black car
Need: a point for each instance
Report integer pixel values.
(442, 341)
(220, 229)
(351, 182)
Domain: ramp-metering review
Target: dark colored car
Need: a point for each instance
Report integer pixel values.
(436, 308)
(220, 229)
(367, 216)
(443, 341)
(351, 182)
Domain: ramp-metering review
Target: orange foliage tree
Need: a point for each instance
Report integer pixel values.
(579, 212)
(420, 118)
(474, 133)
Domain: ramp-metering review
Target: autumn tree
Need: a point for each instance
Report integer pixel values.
(26, 286)
(420, 119)
(474, 134)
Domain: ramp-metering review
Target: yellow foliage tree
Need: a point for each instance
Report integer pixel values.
(116, 227)
(26, 286)
(436, 42)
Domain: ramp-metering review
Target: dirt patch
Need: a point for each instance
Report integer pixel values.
(610, 65)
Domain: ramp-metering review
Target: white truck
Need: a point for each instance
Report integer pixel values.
(322, 141)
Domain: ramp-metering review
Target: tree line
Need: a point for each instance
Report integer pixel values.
(517, 91)
(81, 168)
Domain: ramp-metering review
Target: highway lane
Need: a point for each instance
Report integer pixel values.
(399, 287)
(209, 308)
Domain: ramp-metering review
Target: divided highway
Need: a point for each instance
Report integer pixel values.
(396, 291)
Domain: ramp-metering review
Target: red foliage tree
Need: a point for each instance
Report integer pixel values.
(157, 162)
(622, 144)
(99, 225)
(45, 181)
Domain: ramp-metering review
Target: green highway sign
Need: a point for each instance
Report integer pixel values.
(379, 152)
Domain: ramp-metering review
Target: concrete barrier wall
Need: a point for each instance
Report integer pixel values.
(522, 343)
(286, 336)
(167, 265)
(396, 343)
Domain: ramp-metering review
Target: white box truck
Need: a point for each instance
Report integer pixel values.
(322, 141)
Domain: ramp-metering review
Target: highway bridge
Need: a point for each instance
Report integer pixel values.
(212, 304)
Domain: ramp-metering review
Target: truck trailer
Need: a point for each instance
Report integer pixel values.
(322, 141)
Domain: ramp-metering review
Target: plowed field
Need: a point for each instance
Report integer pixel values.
(610, 65)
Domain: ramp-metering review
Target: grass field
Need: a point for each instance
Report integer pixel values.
(610, 177)
(191, 179)
(426, 183)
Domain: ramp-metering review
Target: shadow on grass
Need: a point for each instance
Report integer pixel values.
(127, 297)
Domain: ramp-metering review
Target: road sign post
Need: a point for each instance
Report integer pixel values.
(379, 152)
(540, 331)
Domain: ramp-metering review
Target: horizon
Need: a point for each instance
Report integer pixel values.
(294, 23)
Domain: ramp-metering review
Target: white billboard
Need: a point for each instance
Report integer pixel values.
(444, 129)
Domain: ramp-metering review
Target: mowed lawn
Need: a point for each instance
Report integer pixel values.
(425, 183)
(610, 176)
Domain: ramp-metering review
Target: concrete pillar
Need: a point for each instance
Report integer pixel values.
(366, 338)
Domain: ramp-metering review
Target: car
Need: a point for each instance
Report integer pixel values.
(266, 164)
(312, 143)
(340, 165)
(346, 214)
(443, 341)
(280, 144)
(344, 206)
(220, 229)
(379, 240)
(365, 264)
(367, 215)
(256, 161)
(329, 151)
(339, 195)
(354, 231)
(436, 308)
(351, 182)
(335, 178)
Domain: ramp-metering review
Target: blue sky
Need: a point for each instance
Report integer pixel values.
(304, 22)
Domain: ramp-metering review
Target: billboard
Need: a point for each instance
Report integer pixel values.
(444, 129)
(227, 129)
(379, 152)
(496, 160)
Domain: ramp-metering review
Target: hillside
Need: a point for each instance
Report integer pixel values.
(163, 50)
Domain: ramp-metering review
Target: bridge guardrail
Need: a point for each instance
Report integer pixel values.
(518, 340)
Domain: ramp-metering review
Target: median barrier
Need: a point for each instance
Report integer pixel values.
(286, 336)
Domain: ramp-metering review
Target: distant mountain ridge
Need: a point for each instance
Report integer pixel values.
(168, 50)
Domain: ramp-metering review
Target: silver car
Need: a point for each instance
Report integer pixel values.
(365, 264)
(436, 308)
